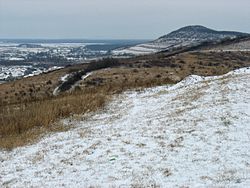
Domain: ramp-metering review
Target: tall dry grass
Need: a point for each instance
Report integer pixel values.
(22, 123)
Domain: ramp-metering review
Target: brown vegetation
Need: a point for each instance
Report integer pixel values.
(17, 121)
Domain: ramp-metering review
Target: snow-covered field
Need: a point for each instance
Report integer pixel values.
(193, 134)
(139, 49)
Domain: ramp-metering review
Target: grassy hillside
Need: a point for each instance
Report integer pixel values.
(28, 107)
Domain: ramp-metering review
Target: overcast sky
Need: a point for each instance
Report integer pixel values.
(117, 19)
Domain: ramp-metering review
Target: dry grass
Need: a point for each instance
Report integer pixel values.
(21, 124)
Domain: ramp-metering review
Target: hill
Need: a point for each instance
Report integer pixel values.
(188, 36)
(195, 133)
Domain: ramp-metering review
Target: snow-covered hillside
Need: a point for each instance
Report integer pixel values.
(195, 133)
(184, 37)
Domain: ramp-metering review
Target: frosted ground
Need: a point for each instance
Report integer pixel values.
(195, 133)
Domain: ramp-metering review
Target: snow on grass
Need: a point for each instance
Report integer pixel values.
(195, 133)
(65, 77)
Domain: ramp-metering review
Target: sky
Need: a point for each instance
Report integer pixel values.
(117, 19)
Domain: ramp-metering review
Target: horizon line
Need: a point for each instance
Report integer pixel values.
(16, 38)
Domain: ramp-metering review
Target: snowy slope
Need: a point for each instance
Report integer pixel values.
(195, 133)
(184, 37)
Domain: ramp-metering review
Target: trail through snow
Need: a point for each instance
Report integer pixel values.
(193, 134)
